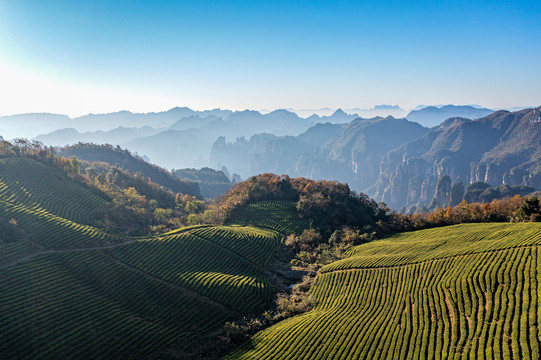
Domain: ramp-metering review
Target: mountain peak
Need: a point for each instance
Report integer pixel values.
(178, 108)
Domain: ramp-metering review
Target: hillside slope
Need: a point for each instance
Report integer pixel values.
(140, 298)
(74, 292)
(130, 162)
(460, 291)
(47, 209)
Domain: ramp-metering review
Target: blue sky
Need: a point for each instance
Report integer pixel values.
(94, 56)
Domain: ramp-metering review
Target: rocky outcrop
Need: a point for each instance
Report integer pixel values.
(502, 148)
(457, 193)
(442, 195)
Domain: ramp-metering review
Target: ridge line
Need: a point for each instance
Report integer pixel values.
(428, 260)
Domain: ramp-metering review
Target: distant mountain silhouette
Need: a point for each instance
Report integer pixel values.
(338, 117)
(117, 136)
(174, 149)
(193, 121)
(31, 125)
(109, 121)
(35, 124)
(433, 116)
(191, 147)
(279, 122)
(186, 138)
(380, 110)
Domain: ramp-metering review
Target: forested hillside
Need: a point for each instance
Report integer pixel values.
(130, 162)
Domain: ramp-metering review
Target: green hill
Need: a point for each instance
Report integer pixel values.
(468, 291)
(72, 291)
(135, 299)
(47, 209)
(33, 184)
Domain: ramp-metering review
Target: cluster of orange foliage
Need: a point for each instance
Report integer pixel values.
(325, 204)
(499, 210)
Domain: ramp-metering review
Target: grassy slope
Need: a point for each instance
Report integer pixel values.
(71, 291)
(460, 291)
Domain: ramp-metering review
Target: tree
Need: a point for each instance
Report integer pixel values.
(530, 210)
(75, 169)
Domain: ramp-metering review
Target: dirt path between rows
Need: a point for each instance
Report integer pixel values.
(185, 291)
(188, 292)
(20, 259)
(7, 263)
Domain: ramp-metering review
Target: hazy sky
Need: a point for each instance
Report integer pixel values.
(77, 57)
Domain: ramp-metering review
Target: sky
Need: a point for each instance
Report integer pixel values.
(78, 57)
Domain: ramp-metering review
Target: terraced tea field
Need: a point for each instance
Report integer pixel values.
(86, 305)
(70, 291)
(276, 215)
(222, 263)
(465, 291)
(32, 184)
(46, 206)
(139, 297)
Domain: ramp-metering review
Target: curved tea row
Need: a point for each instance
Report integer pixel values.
(440, 304)
(276, 215)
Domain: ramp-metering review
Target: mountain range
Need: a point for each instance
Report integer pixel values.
(350, 152)
(396, 160)
(399, 161)
(186, 138)
(501, 148)
(35, 124)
